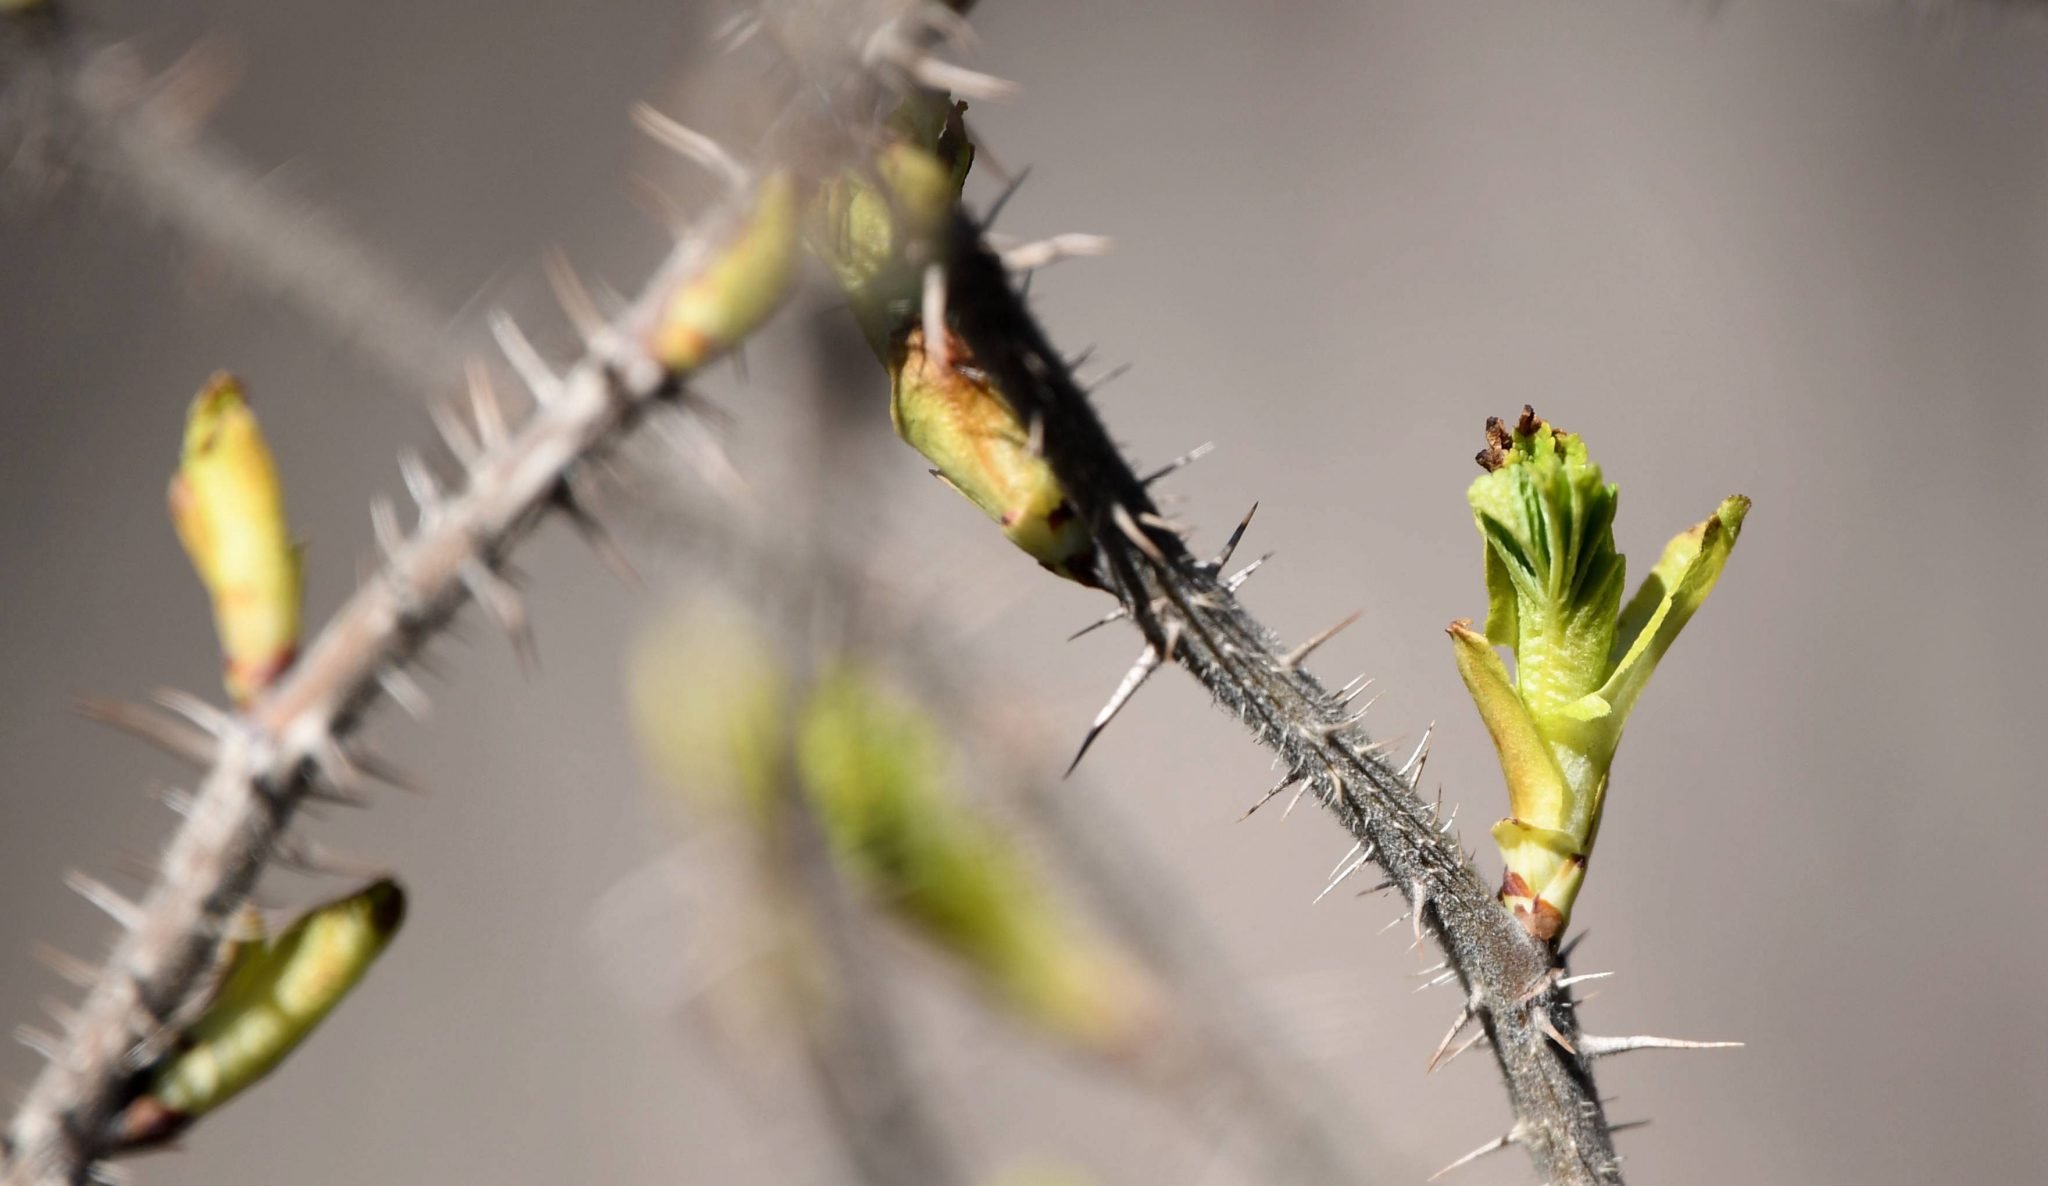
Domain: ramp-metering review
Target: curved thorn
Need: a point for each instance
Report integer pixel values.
(1465, 1015)
(1293, 658)
(181, 740)
(693, 146)
(1121, 516)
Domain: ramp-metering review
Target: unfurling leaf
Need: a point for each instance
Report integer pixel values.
(273, 993)
(228, 507)
(1554, 584)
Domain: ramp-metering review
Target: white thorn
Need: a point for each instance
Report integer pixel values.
(693, 146)
(484, 406)
(1541, 1017)
(456, 433)
(1493, 1146)
(1182, 462)
(502, 602)
(214, 721)
(1418, 897)
(1436, 982)
(1030, 256)
(1463, 1019)
(526, 361)
(1238, 578)
(938, 345)
(1307, 785)
(40, 1041)
(420, 483)
(1115, 615)
(1121, 516)
(74, 970)
(124, 912)
(1148, 661)
(575, 299)
(1341, 878)
(1597, 1046)
(1582, 977)
(384, 525)
(405, 691)
(1417, 759)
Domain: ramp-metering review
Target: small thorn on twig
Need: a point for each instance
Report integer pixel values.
(41, 1041)
(1238, 578)
(1034, 436)
(377, 767)
(1418, 898)
(1148, 661)
(526, 362)
(384, 525)
(1308, 786)
(124, 912)
(194, 745)
(1121, 516)
(420, 483)
(1028, 257)
(1283, 784)
(1341, 877)
(1541, 1017)
(1229, 548)
(75, 971)
(484, 406)
(309, 856)
(1292, 659)
(216, 722)
(505, 607)
(1599, 1046)
(1116, 615)
(1182, 462)
(405, 691)
(1582, 977)
(692, 146)
(1464, 1019)
(574, 297)
(576, 507)
(460, 442)
(1411, 770)
(1510, 1137)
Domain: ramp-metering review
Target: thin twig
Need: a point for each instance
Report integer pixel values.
(1185, 611)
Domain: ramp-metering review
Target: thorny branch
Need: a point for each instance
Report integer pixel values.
(1188, 614)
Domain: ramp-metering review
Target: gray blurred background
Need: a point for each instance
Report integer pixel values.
(1795, 250)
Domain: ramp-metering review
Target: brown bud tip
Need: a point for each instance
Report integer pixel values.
(146, 1123)
(1530, 422)
(1498, 442)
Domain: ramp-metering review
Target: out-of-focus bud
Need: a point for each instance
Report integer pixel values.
(228, 507)
(720, 303)
(1554, 584)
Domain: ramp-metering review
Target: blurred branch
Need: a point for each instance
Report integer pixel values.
(125, 132)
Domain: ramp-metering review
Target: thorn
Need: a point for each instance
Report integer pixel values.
(215, 722)
(420, 483)
(1238, 578)
(1437, 981)
(64, 1015)
(383, 771)
(456, 434)
(1341, 878)
(1582, 977)
(574, 298)
(692, 146)
(1380, 888)
(1230, 545)
(179, 801)
(1034, 436)
(41, 1041)
(577, 508)
(1148, 661)
(1182, 462)
(526, 361)
(1110, 376)
(1463, 1046)
(1465, 1016)
(1596, 1046)
(995, 208)
(1278, 787)
(506, 608)
(938, 347)
(484, 407)
(1031, 256)
(384, 525)
(900, 46)
(1418, 759)
(308, 856)
(343, 778)
(1625, 1125)
(1564, 954)
(405, 691)
(1498, 1143)
(124, 912)
(1115, 615)
(1418, 897)
(74, 970)
(1295, 802)
(1293, 658)
(1348, 693)
(1541, 1017)
(194, 745)
(1144, 543)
